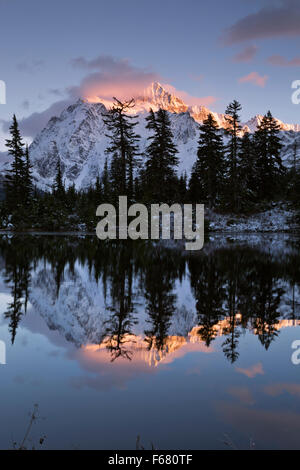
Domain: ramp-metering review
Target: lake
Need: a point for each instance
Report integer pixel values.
(123, 339)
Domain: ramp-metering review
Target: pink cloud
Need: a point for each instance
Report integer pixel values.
(283, 62)
(252, 371)
(254, 78)
(246, 55)
(110, 77)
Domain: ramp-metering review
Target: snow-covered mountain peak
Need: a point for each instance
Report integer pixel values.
(78, 136)
(253, 123)
(158, 96)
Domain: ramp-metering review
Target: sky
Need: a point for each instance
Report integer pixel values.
(207, 52)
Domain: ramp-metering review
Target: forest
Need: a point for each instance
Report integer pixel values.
(234, 172)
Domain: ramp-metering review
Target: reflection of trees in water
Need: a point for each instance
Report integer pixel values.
(208, 288)
(121, 321)
(17, 277)
(160, 269)
(265, 313)
(294, 273)
(231, 331)
(242, 285)
(158, 284)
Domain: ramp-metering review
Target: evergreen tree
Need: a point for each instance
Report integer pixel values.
(247, 173)
(232, 118)
(105, 182)
(115, 181)
(161, 158)
(71, 197)
(98, 187)
(293, 179)
(138, 188)
(14, 179)
(207, 173)
(269, 163)
(182, 188)
(124, 145)
(59, 188)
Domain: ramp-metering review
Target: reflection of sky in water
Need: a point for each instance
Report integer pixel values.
(188, 402)
(187, 397)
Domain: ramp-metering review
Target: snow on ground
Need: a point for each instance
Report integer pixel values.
(277, 219)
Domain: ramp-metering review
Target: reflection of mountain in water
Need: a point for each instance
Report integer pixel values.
(140, 351)
(135, 300)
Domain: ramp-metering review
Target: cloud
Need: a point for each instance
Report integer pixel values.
(246, 55)
(254, 78)
(37, 121)
(270, 21)
(30, 66)
(105, 77)
(118, 77)
(110, 77)
(251, 371)
(283, 62)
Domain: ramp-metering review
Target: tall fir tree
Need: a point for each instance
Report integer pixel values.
(14, 178)
(161, 159)
(206, 181)
(124, 145)
(105, 182)
(58, 187)
(115, 180)
(293, 180)
(98, 189)
(233, 129)
(247, 173)
(182, 187)
(269, 162)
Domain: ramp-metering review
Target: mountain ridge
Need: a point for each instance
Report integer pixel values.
(77, 136)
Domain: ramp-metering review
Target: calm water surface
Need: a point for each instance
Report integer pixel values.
(118, 340)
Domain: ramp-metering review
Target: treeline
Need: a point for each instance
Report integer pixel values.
(234, 172)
